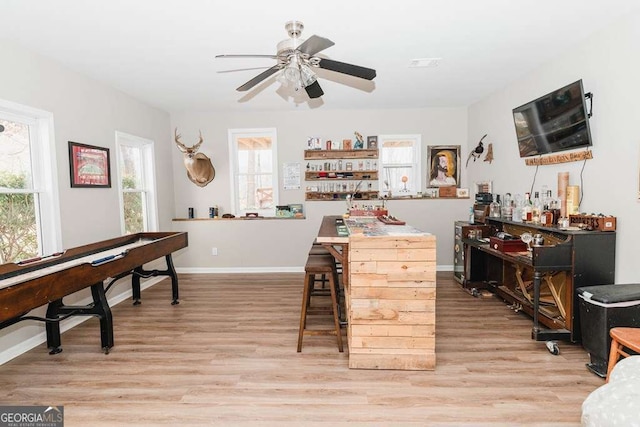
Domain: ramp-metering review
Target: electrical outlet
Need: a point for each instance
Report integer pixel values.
(214, 251)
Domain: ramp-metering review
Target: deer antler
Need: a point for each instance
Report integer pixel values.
(181, 146)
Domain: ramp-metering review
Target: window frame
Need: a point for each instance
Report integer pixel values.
(415, 165)
(233, 136)
(149, 190)
(44, 173)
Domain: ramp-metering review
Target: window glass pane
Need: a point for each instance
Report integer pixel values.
(15, 155)
(131, 167)
(254, 155)
(133, 212)
(18, 232)
(397, 152)
(255, 192)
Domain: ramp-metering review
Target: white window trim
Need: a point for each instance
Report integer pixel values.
(234, 134)
(45, 173)
(149, 172)
(417, 165)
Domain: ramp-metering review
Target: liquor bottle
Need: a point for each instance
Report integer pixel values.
(495, 207)
(516, 215)
(536, 208)
(507, 207)
(471, 215)
(527, 208)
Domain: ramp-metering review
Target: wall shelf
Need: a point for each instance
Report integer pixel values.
(332, 174)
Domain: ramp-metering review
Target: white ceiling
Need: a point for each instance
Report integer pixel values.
(162, 51)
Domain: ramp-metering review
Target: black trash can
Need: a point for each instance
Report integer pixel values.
(604, 307)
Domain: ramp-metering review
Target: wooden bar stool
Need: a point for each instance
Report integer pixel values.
(320, 264)
(621, 339)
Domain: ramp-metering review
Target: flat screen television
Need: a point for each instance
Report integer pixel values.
(555, 122)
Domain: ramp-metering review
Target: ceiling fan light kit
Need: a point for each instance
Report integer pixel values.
(296, 59)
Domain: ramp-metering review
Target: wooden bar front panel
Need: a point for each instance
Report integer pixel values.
(391, 302)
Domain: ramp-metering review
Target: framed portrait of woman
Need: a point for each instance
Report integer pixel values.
(443, 161)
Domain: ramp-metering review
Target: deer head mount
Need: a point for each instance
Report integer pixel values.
(199, 168)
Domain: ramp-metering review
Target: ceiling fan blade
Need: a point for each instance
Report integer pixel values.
(247, 56)
(257, 79)
(315, 44)
(343, 67)
(241, 69)
(314, 90)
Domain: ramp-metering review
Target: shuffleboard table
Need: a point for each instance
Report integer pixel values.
(46, 280)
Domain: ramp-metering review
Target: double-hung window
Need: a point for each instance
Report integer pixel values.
(29, 209)
(400, 166)
(137, 186)
(254, 171)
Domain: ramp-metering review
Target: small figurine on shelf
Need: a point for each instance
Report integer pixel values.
(359, 144)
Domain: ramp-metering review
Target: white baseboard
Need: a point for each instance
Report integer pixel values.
(233, 270)
(69, 323)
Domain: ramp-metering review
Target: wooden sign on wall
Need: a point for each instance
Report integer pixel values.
(559, 158)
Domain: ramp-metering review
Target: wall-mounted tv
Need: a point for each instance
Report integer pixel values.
(555, 122)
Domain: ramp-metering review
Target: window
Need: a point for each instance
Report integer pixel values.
(29, 210)
(400, 164)
(254, 172)
(136, 181)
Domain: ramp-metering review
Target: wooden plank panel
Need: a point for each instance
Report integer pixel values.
(393, 254)
(404, 293)
(385, 315)
(392, 342)
(397, 305)
(359, 241)
(393, 361)
(393, 330)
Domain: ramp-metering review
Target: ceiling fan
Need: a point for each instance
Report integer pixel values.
(296, 60)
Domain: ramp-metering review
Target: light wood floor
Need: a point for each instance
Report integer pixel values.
(227, 356)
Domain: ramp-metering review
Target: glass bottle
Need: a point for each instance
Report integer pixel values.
(495, 207)
(527, 208)
(507, 207)
(536, 211)
(517, 209)
(471, 215)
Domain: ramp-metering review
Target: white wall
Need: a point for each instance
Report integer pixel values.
(283, 244)
(87, 112)
(609, 65)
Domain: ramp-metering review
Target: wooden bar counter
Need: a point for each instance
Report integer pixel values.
(390, 296)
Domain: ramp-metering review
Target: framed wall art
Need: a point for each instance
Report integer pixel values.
(443, 162)
(89, 166)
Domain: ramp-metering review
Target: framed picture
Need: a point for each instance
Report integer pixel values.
(89, 166)
(443, 161)
(346, 144)
(462, 192)
(372, 142)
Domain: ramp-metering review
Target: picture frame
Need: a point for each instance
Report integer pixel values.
(443, 166)
(89, 166)
(462, 192)
(346, 144)
(372, 142)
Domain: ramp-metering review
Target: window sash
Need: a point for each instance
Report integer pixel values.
(392, 168)
(240, 141)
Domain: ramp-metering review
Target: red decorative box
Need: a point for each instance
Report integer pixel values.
(514, 245)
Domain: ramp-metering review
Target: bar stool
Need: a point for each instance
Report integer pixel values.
(622, 338)
(320, 264)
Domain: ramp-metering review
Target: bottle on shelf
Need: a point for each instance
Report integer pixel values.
(536, 208)
(527, 208)
(507, 207)
(495, 208)
(517, 208)
(471, 215)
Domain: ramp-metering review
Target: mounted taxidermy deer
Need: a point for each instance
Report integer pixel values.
(199, 168)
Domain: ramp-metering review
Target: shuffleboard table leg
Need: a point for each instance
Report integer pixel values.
(103, 311)
(54, 343)
(174, 279)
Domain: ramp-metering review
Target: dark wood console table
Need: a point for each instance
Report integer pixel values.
(569, 259)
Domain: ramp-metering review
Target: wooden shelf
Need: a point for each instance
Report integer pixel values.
(339, 195)
(341, 175)
(340, 154)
